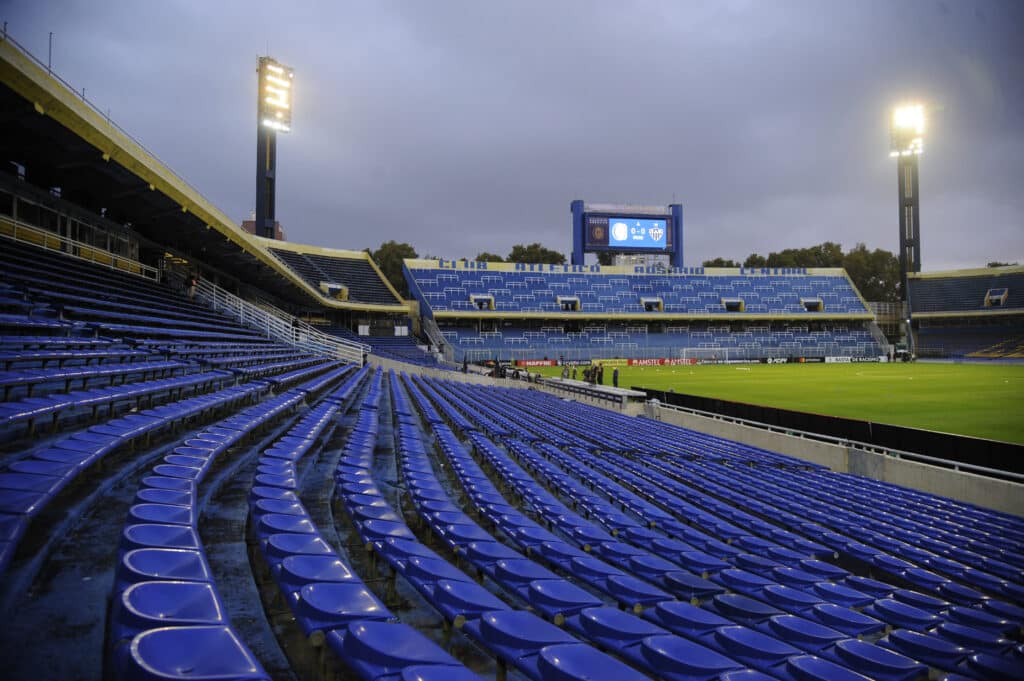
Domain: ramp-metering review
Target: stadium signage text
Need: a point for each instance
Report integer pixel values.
(662, 361)
(535, 362)
(519, 266)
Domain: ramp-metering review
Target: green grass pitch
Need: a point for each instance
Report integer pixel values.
(980, 400)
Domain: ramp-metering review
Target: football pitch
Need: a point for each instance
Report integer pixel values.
(980, 400)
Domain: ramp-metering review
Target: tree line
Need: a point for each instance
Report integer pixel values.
(875, 273)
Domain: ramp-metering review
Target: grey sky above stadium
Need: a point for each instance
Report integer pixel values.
(469, 126)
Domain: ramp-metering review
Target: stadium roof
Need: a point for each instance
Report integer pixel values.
(64, 142)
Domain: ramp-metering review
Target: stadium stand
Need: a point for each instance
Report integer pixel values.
(323, 267)
(182, 497)
(975, 314)
(605, 312)
(399, 348)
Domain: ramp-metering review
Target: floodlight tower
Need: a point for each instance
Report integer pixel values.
(274, 115)
(906, 145)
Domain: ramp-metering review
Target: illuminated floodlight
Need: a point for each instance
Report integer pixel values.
(276, 95)
(907, 132)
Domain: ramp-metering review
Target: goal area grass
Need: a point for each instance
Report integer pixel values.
(979, 400)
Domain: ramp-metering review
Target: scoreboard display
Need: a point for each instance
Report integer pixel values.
(628, 233)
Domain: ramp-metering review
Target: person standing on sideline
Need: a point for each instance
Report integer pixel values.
(615, 377)
(565, 371)
(574, 373)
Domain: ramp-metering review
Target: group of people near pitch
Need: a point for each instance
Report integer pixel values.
(593, 374)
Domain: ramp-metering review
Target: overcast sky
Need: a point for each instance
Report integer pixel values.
(469, 126)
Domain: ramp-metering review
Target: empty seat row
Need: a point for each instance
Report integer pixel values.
(165, 596)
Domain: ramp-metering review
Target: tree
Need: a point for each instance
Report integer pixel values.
(488, 257)
(605, 258)
(876, 274)
(535, 253)
(828, 254)
(996, 263)
(389, 259)
(755, 260)
(721, 262)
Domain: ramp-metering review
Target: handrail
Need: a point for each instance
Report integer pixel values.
(435, 336)
(853, 444)
(75, 249)
(279, 325)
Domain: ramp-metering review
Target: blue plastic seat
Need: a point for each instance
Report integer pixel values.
(323, 606)
(276, 523)
(296, 571)
(140, 565)
(455, 598)
(686, 619)
(752, 647)
(402, 549)
(151, 495)
(744, 582)
(872, 587)
(920, 600)
(277, 547)
(980, 640)
(994, 667)
(377, 650)
(796, 601)
(899, 614)
(633, 592)
(614, 629)
(380, 530)
(846, 620)
(979, 619)
(160, 513)
(691, 587)
(199, 653)
(743, 609)
(581, 663)
(150, 535)
(840, 594)
(803, 633)
(149, 605)
(520, 571)
(515, 634)
(555, 597)
(927, 648)
(877, 662)
(811, 668)
(677, 659)
(163, 482)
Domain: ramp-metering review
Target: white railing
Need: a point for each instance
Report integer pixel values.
(279, 325)
(958, 466)
(435, 336)
(37, 236)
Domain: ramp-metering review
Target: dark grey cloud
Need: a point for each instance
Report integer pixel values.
(468, 126)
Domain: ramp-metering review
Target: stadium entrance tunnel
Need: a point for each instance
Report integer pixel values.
(734, 304)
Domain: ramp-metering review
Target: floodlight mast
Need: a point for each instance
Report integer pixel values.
(273, 114)
(906, 145)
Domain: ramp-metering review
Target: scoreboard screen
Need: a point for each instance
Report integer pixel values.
(623, 232)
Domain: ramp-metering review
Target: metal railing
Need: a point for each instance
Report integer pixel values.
(435, 336)
(851, 444)
(279, 325)
(37, 236)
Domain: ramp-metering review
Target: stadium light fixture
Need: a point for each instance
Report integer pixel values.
(907, 131)
(276, 95)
